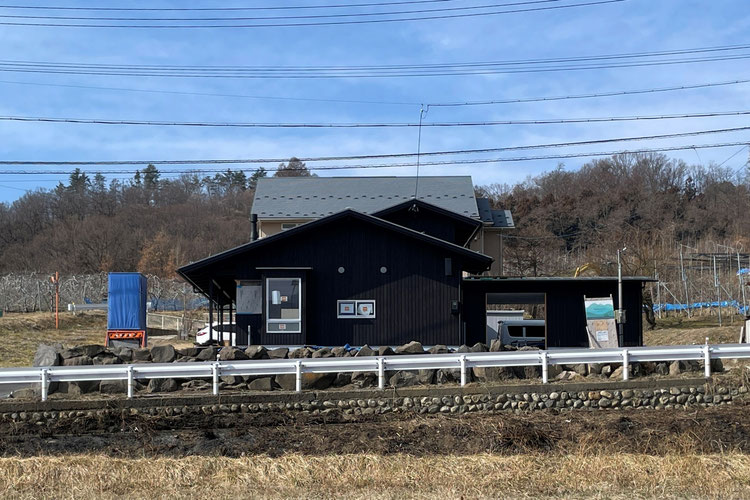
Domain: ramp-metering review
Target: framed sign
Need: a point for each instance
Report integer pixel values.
(355, 309)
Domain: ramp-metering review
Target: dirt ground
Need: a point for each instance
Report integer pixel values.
(651, 432)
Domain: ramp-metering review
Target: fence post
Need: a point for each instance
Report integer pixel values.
(381, 373)
(298, 366)
(130, 381)
(44, 384)
(625, 364)
(707, 360)
(463, 371)
(545, 370)
(215, 374)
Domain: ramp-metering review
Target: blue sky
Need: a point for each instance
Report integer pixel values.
(629, 26)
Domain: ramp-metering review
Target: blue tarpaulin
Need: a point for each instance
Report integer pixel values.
(701, 305)
(126, 308)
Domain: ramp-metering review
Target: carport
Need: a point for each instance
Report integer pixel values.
(563, 303)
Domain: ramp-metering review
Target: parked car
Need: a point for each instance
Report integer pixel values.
(221, 333)
(519, 333)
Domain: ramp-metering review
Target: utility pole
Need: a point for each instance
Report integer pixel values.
(718, 290)
(56, 281)
(620, 312)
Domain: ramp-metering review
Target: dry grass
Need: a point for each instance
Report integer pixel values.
(374, 476)
(683, 330)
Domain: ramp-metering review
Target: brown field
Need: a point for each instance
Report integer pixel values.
(375, 476)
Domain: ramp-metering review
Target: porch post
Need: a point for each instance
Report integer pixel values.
(210, 311)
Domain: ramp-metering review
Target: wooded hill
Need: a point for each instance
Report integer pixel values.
(648, 203)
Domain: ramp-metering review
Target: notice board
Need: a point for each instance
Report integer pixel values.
(600, 322)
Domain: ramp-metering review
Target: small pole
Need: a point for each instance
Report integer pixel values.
(130, 381)
(381, 373)
(44, 384)
(718, 290)
(625, 366)
(298, 366)
(707, 360)
(463, 371)
(215, 374)
(545, 370)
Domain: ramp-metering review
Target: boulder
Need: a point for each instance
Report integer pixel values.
(385, 350)
(279, 353)
(163, 354)
(78, 388)
(662, 368)
(493, 374)
(496, 345)
(674, 368)
(196, 384)
(124, 353)
(439, 349)
(554, 370)
(232, 354)
(464, 348)
(107, 358)
(141, 355)
(189, 352)
(717, 366)
(78, 361)
(617, 373)
(342, 379)
(606, 370)
(364, 379)
(581, 369)
(412, 347)
(450, 376)
(46, 355)
(257, 352)
(113, 386)
(404, 379)
(302, 352)
(426, 377)
(568, 375)
(91, 350)
(340, 352)
(72, 352)
(531, 372)
(207, 354)
(325, 352)
(365, 350)
(288, 382)
(26, 393)
(162, 385)
(232, 380)
(478, 347)
(595, 369)
(261, 384)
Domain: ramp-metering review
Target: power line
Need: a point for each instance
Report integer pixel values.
(308, 24)
(196, 9)
(376, 156)
(274, 18)
(409, 164)
(99, 121)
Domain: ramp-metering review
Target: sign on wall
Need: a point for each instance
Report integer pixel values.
(355, 309)
(249, 297)
(600, 322)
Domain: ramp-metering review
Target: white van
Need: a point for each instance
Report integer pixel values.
(221, 333)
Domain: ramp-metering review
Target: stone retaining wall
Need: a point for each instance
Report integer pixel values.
(685, 394)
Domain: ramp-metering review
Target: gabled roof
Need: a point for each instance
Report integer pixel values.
(493, 217)
(314, 197)
(475, 261)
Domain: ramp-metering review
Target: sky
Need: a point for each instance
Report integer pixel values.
(630, 26)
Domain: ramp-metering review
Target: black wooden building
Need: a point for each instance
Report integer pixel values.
(387, 278)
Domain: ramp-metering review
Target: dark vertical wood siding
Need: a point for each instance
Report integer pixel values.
(413, 298)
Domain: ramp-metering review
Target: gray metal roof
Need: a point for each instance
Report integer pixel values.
(313, 197)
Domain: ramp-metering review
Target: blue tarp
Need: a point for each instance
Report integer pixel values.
(126, 308)
(702, 305)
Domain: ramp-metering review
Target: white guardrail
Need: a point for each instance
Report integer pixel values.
(379, 364)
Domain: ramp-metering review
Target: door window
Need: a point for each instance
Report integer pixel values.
(284, 305)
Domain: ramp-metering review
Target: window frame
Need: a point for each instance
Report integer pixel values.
(269, 320)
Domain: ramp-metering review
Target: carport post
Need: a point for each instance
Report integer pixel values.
(463, 371)
(625, 366)
(215, 374)
(545, 371)
(44, 384)
(707, 360)
(298, 367)
(130, 381)
(381, 374)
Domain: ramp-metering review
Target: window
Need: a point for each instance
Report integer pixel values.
(284, 305)
(288, 225)
(355, 309)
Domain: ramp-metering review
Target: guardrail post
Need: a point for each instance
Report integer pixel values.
(44, 384)
(215, 374)
(707, 360)
(463, 371)
(625, 364)
(298, 367)
(381, 373)
(545, 368)
(130, 381)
